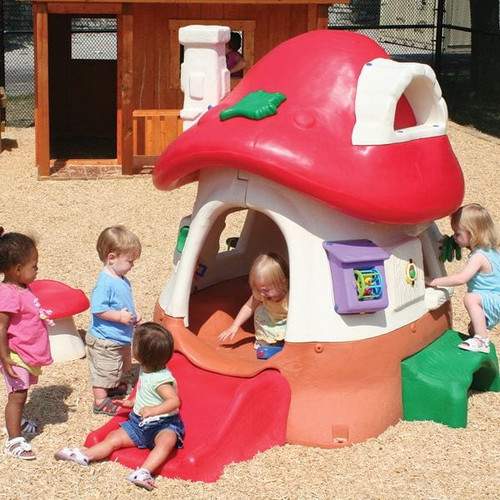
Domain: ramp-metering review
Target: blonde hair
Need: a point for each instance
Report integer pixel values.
(475, 219)
(119, 240)
(272, 268)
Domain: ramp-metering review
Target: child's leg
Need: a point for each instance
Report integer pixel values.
(123, 385)
(478, 342)
(16, 445)
(126, 360)
(115, 440)
(100, 393)
(14, 412)
(105, 363)
(474, 306)
(164, 444)
(17, 390)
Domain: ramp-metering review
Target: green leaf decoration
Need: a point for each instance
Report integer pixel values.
(449, 249)
(255, 105)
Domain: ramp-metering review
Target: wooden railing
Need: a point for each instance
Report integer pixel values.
(153, 130)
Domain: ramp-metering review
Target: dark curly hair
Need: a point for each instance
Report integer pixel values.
(15, 248)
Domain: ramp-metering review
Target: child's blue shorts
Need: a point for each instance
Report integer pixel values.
(143, 433)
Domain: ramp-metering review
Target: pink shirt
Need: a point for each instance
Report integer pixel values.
(27, 333)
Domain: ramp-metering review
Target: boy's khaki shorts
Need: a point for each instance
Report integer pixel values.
(107, 361)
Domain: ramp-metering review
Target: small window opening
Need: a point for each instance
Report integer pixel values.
(93, 38)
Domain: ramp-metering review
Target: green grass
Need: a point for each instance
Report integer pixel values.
(20, 110)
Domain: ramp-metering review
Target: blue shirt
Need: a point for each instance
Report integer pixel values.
(111, 294)
(487, 282)
(487, 286)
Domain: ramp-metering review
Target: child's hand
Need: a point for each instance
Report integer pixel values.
(126, 317)
(124, 403)
(228, 333)
(428, 280)
(138, 320)
(147, 411)
(8, 363)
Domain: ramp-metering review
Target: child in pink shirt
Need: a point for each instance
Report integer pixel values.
(235, 62)
(24, 340)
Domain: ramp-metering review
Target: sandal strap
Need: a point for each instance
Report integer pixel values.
(22, 445)
(106, 406)
(484, 340)
(142, 474)
(28, 426)
(72, 455)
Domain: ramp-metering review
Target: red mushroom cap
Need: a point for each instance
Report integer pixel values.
(307, 145)
(60, 298)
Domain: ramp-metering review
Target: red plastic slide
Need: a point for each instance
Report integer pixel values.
(227, 419)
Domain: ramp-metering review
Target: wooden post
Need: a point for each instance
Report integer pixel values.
(125, 137)
(322, 23)
(42, 131)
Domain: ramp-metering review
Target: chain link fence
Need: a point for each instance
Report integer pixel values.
(434, 32)
(92, 38)
(438, 33)
(17, 75)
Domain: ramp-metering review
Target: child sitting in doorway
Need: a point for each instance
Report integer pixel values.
(269, 281)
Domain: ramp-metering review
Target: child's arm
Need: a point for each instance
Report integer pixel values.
(124, 403)
(240, 64)
(477, 263)
(244, 314)
(5, 359)
(170, 403)
(123, 316)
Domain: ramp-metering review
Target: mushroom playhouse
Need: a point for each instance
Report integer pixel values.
(337, 158)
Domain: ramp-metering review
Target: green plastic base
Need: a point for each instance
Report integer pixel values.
(436, 380)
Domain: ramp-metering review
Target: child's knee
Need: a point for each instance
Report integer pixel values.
(118, 439)
(167, 439)
(18, 397)
(472, 300)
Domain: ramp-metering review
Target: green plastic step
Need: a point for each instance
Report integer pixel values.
(436, 380)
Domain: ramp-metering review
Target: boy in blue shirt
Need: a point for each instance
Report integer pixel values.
(113, 317)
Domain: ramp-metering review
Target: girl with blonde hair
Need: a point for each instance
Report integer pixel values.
(474, 229)
(269, 281)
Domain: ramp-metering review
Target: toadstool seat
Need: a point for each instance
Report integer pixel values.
(64, 301)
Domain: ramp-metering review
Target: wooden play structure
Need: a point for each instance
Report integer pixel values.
(132, 103)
